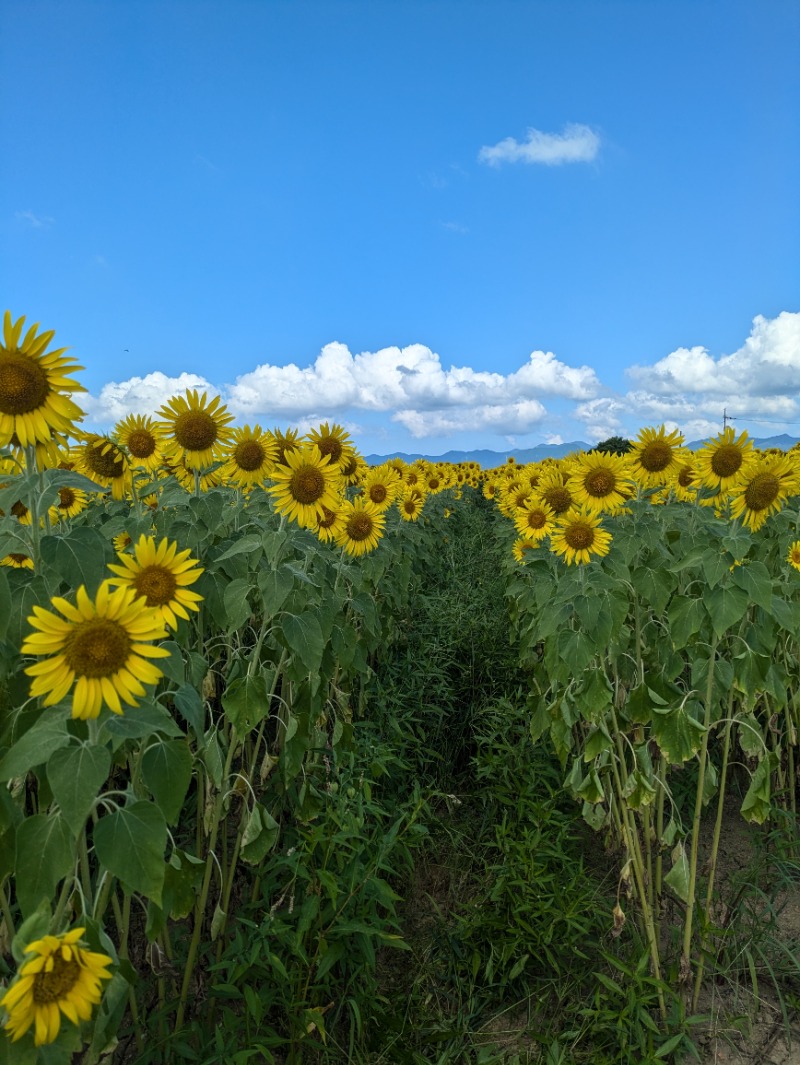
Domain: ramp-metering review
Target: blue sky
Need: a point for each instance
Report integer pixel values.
(442, 224)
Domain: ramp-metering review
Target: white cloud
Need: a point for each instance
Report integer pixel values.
(35, 221)
(577, 144)
(505, 419)
(553, 438)
(138, 395)
(767, 364)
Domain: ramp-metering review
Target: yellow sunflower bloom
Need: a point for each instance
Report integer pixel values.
(655, 456)
(15, 560)
(196, 429)
(721, 462)
(381, 486)
(410, 503)
(334, 441)
(600, 481)
(793, 558)
(579, 536)
(763, 491)
(554, 490)
(100, 647)
(71, 501)
(250, 457)
(57, 976)
(305, 485)
(535, 521)
(34, 386)
(99, 458)
(143, 440)
(162, 575)
(329, 524)
(361, 527)
(522, 547)
(285, 440)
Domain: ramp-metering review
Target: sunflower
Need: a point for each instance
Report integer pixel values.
(101, 648)
(361, 528)
(196, 429)
(516, 496)
(555, 492)
(56, 976)
(354, 468)
(249, 457)
(521, 547)
(535, 521)
(333, 440)
(329, 524)
(764, 490)
(34, 386)
(684, 486)
(100, 459)
(579, 535)
(122, 542)
(305, 485)
(285, 442)
(187, 477)
(600, 481)
(49, 453)
(655, 456)
(410, 503)
(721, 462)
(162, 575)
(381, 486)
(490, 489)
(71, 501)
(17, 561)
(143, 439)
(793, 558)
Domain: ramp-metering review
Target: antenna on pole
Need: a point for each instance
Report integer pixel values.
(726, 418)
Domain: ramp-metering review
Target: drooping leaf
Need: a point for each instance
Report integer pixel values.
(76, 775)
(130, 844)
(246, 702)
(44, 855)
(167, 772)
(678, 734)
(36, 745)
(678, 876)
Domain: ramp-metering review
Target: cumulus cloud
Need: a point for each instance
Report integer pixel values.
(503, 419)
(137, 395)
(577, 144)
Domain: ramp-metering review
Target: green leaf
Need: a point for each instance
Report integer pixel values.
(78, 558)
(237, 608)
(726, 606)
(671, 1044)
(686, 616)
(247, 545)
(246, 702)
(141, 721)
(678, 734)
(576, 649)
(678, 876)
(756, 805)
(130, 843)
(172, 667)
(76, 775)
(260, 834)
(31, 929)
(756, 580)
(167, 772)
(35, 746)
(274, 585)
(5, 605)
(303, 637)
(26, 592)
(44, 855)
(191, 707)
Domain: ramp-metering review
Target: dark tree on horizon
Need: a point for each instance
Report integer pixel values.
(616, 445)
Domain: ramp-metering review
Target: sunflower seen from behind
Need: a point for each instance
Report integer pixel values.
(161, 575)
(196, 429)
(99, 650)
(579, 537)
(35, 387)
(57, 977)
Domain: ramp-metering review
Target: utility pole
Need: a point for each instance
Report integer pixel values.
(726, 418)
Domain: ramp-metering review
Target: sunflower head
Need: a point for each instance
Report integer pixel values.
(793, 558)
(335, 442)
(250, 456)
(655, 456)
(579, 536)
(143, 440)
(305, 485)
(764, 490)
(361, 526)
(34, 386)
(100, 459)
(161, 575)
(196, 428)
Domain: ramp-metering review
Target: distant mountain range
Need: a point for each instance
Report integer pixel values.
(488, 459)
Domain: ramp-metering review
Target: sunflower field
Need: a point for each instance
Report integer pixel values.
(307, 760)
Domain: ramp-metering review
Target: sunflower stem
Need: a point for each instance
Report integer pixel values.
(33, 507)
(5, 909)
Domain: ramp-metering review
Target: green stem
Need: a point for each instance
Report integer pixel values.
(5, 909)
(698, 810)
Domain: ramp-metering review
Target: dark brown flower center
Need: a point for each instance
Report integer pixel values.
(141, 444)
(377, 493)
(195, 430)
(762, 491)
(97, 647)
(23, 384)
(110, 464)
(328, 519)
(330, 445)
(727, 460)
(19, 510)
(359, 526)
(249, 456)
(685, 477)
(537, 519)
(307, 484)
(599, 483)
(579, 537)
(559, 498)
(655, 457)
(66, 498)
(56, 984)
(157, 584)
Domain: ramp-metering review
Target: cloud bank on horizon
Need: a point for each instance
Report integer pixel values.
(546, 397)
